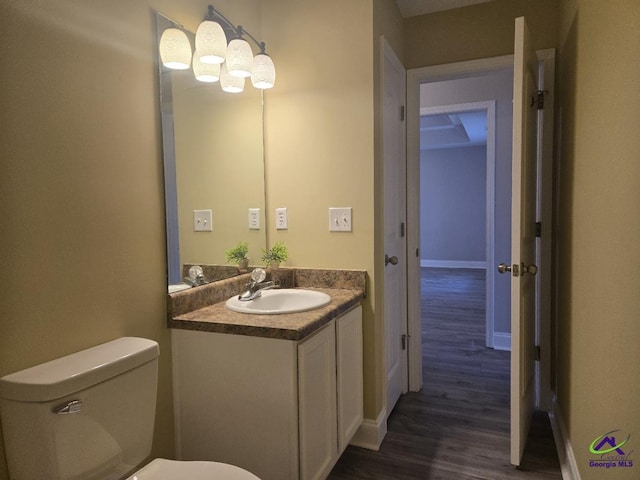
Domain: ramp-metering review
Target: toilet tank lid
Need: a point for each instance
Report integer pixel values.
(73, 373)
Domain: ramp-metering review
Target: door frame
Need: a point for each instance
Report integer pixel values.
(489, 107)
(415, 77)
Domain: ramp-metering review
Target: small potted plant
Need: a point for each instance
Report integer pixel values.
(274, 255)
(238, 255)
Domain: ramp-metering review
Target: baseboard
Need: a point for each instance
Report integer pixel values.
(371, 433)
(502, 341)
(568, 464)
(453, 264)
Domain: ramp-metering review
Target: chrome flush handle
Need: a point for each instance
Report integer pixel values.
(73, 406)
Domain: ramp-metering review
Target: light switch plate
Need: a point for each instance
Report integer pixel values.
(254, 219)
(340, 219)
(282, 222)
(202, 221)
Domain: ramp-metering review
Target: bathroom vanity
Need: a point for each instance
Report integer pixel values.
(278, 395)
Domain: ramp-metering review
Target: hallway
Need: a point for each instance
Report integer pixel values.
(457, 427)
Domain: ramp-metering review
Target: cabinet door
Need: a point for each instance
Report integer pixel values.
(349, 354)
(317, 404)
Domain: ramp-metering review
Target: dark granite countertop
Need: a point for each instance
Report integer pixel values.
(203, 308)
(290, 326)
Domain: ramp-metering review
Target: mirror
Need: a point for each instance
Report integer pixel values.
(213, 160)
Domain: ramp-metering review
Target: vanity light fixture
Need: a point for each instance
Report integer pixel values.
(205, 72)
(211, 42)
(215, 57)
(175, 49)
(230, 83)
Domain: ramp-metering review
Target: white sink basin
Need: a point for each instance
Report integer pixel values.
(283, 300)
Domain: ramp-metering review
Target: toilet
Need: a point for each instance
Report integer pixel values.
(90, 416)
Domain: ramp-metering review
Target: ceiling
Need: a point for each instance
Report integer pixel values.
(453, 130)
(413, 8)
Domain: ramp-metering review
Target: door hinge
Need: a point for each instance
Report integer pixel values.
(402, 113)
(401, 229)
(538, 99)
(418, 252)
(403, 341)
(538, 353)
(538, 229)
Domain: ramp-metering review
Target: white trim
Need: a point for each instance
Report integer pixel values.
(546, 59)
(568, 464)
(371, 432)
(450, 71)
(502, 341)
(453, 264)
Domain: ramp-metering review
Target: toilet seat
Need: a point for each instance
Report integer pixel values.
(162, 469)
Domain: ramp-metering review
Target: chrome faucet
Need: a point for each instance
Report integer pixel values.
(196, 276)
(254, 288)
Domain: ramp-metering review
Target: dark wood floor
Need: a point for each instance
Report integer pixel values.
(457, 427)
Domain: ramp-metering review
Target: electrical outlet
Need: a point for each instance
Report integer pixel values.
(254, 219)
(202, 221)
(282, 222)
(340, 219)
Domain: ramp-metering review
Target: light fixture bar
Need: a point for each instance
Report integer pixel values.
(220, 43)
(230, 29)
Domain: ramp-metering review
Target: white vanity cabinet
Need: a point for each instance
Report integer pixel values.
(281, 409)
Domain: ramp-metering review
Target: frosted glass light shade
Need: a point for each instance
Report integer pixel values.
(175, 49)
(264, 72)
(211, 42)
(239, 59)
(228, 82)
(205, 72)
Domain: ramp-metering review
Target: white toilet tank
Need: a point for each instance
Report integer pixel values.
(86, 416)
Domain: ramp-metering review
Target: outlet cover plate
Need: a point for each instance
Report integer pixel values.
(282, 221)
(254, 219)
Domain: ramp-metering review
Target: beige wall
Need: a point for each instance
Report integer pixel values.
(82, 242)
(599, 198)
(479, 31)
(319, 144)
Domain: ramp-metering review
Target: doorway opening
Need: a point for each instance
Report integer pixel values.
(457, 193)
(484, 71)
(482, 89)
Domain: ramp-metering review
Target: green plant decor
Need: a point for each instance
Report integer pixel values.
(237, 253)
(274, 255)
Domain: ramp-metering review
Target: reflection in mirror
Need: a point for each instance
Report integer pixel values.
(213, 160)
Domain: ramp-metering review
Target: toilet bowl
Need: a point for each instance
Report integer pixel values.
(161, 469)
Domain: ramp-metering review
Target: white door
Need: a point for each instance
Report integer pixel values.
(394, 199)
(523, 241)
